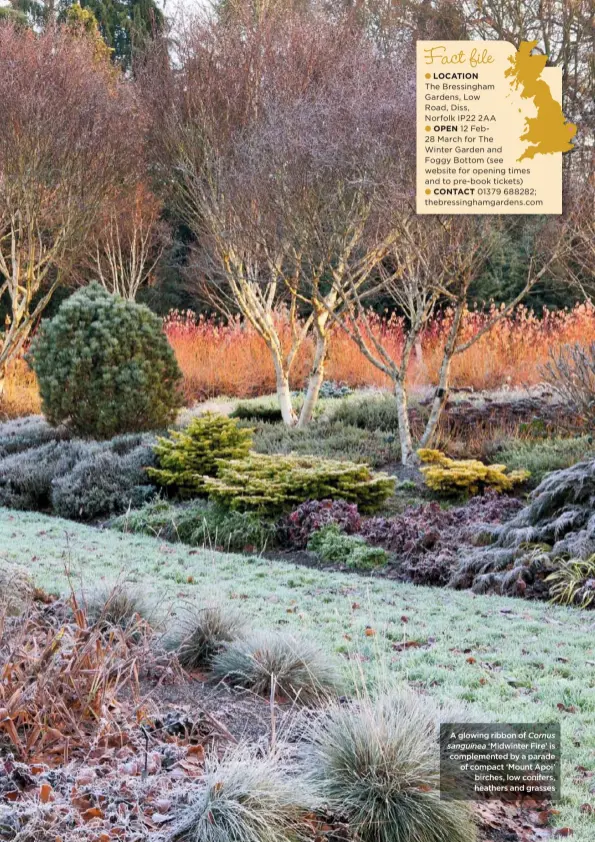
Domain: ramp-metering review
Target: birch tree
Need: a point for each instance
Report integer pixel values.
(284, 133)
(434, 262)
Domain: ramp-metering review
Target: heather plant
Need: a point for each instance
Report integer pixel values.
(466, 476)
(333, 440)
(315, 514)
(294, 666)
(78, 479)
(374, 762)
(273, 484)
(105, 367)
(541, 457)
(23, 433)
(375, 412)
(109, 479)
(189, 455)
(263, 410)
(333, 546)
(26, 479)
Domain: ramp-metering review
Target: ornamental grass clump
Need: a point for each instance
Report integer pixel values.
(105, 367)
(573, 582)
(273, 484)
(121, 605)
(466, 476)
(189, 455)
(16, 590)
(203, 632)
(293, 666)
(245, 798)
(375, 764)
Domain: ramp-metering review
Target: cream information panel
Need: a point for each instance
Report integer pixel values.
(490, 129)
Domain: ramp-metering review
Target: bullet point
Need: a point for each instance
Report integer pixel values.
(428, 75)
(428, 191)
(428, 128)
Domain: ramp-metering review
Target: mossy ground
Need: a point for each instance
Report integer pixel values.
(511, 659)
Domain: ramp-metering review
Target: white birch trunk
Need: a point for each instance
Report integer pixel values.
(288, 413)
(407, 454)
(315, 381)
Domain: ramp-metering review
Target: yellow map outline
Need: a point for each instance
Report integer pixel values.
(548, 131)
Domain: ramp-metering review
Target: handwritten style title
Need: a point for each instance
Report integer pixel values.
(440, 56)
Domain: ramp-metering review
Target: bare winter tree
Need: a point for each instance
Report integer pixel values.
(285, 136)
(434, 262)
(128, 243)
(69, 133)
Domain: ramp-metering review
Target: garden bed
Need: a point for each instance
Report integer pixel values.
(533, 661)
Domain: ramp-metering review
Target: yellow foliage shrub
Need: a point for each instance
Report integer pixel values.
(466, 476)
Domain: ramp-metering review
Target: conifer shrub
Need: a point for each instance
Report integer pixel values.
(189, 455)
(273, 484)
(105, 367)
(466, 476)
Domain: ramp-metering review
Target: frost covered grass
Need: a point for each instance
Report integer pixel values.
(508, 657)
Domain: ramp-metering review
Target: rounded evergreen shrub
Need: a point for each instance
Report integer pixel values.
(105, 366)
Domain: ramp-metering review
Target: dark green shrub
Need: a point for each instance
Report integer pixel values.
(189, 455)
(105, 366)
(333, 546)
(255, 411)
(272, 484)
